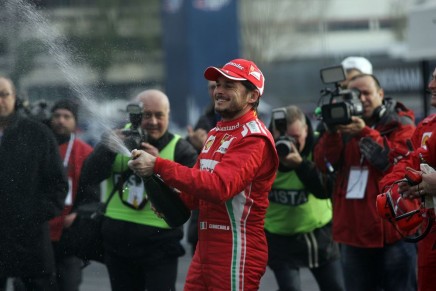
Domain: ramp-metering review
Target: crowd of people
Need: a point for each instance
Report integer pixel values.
(282, 195)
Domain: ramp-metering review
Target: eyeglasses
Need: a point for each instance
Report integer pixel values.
(4, 94)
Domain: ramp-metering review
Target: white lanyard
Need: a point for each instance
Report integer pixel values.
(69, 150)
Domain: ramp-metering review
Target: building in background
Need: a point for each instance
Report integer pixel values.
(112, 49)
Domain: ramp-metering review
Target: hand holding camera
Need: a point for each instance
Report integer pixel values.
(280, 124)
(287, 147)
(293, 159)
(134, 135)
(353, 128)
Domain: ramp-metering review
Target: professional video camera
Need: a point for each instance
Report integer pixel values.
(38, 110)
(343, 103)
(283, 142)
(135, 135)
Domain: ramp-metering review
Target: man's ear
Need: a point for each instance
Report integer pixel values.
(253, 96)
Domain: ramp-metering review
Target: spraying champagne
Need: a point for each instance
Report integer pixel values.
(165, 199)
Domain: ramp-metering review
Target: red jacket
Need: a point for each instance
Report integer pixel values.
(355, 221)
(79, 152)
(423, 139)
(419, 139)
(229, 184)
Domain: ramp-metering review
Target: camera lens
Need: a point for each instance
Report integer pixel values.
(284, 145)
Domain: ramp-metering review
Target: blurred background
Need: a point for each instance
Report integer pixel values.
(103, 52)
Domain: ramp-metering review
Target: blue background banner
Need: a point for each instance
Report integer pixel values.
(196, 34)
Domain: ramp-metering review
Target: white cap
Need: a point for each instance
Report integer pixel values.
(358, 63)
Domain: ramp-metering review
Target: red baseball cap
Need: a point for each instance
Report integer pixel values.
(238, 70)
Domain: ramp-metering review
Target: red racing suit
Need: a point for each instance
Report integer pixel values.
(229, 185)
(356, 221)
(423, 139)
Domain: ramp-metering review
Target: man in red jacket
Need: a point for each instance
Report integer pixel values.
(373, 254)
(229, 184)
(424, 143)
(73, 151)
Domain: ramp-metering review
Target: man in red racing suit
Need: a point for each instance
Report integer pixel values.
(229, 184)
(424, 143)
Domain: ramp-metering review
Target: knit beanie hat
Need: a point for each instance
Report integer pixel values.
(67, 104)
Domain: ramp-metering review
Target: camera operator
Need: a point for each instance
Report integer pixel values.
(141, 250)
(373, 253)
(424, 142)
(300, 213)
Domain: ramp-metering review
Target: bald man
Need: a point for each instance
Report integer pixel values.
(141, 249)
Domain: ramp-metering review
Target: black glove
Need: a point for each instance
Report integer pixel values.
(375, 154)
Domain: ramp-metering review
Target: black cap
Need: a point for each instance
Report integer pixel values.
(67, 104)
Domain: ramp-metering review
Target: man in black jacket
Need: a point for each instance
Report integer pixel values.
(33, 186)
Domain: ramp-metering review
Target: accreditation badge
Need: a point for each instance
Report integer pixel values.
(357, 181)
(136, 193)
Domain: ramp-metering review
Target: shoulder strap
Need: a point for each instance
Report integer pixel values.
(117, 186)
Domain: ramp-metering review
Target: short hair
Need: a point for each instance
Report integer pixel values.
(376, 81)
(14, 90)
(250, 87)
(294, 113)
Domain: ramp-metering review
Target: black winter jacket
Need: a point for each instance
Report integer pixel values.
(33, 187)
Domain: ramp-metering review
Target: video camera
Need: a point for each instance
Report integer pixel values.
(38, 110)
(283, 143)
(343, 103)
(135, 134)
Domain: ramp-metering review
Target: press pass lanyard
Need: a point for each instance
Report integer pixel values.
(69, 150)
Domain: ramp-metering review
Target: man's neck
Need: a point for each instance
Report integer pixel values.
(238, 115)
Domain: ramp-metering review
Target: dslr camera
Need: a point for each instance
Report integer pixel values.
(135, 135)
(343, 103)
(283, 143)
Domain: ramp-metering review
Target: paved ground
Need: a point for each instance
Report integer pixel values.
(95, 278)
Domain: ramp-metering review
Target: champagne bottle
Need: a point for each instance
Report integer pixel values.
(166, 201)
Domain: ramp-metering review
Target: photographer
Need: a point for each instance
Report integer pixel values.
(423, 141)
(141, 250)
(373, 254)
(299, 214)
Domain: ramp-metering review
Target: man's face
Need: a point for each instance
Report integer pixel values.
(7, 98)
(63, 122)
(432, 88)
(156, 116)
(370, 95)
(232, 99)
(298, 130)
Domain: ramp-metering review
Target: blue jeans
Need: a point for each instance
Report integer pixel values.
(390, 268)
